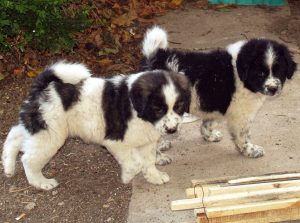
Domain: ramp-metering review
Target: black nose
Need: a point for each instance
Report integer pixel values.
(171, 131)
(272, 90)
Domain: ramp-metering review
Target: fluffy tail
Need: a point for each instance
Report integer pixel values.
(70, 73)
(11, 148)
(155, 38)
(59, 72)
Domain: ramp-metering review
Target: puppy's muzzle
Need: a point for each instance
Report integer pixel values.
(171, 130)
(273, 89)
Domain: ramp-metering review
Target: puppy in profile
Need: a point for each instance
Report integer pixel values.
(126, 114)
(232, 83)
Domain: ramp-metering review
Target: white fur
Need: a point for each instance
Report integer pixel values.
(173, 63)
(135, 153)
(171, 120)
(132, 78)
(270, 57)
(155, 38)
(235, 48)
(70, 73)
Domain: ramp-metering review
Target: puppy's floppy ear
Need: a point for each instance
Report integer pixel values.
(291, 65)
(139, 95)
(242, 65)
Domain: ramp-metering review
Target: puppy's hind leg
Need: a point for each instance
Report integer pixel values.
(11, 148)
(209, 133)
(38, 150)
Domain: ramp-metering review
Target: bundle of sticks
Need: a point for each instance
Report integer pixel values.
(256, 199)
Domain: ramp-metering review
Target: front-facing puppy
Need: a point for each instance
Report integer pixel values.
(231, 83)
(126, 114)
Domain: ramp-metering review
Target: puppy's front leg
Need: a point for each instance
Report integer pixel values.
(162, 158)
(239, 129)
(150, 172)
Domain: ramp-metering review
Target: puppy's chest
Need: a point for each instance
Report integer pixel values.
(140, 132)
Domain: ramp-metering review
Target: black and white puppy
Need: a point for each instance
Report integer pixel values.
(231, 83)
(126, 114)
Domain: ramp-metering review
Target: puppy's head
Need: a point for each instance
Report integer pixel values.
(161, 97)
(264, 65)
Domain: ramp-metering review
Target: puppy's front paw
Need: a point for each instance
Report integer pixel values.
(213, 136)
(45, 184)
(155, 176)
(162, 159)
(252, 151)
(164, 145)
(160, 178)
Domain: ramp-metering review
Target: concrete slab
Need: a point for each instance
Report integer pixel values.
(276, 127)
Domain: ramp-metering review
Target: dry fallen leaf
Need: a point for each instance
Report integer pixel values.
(18, 72)
(177, 2)
(105, 62)
(32, 73)
(123, 20)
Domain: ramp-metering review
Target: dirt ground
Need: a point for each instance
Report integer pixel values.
(90, 189)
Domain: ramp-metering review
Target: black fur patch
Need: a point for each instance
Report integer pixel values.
(117, 109)
(69, 93)
(210, 73)
(30, 114)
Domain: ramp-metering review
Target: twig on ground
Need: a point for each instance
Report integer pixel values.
(22, 189)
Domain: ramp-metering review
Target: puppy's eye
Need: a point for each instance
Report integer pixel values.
(158, 110)
(179, 107)
(262, 74)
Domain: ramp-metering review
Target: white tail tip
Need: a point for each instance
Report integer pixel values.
(155, 38)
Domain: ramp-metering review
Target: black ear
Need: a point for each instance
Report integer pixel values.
(242, 65)
(291, 65)
(139, 99)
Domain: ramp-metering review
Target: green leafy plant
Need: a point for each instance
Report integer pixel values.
(40, 24)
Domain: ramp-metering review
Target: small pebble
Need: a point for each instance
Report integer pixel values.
(54, 192)
(61, 203)
(30, 206)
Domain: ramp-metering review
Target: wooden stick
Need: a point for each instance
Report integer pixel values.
(236, 198)
(277, 215)
(252, 196)
(214, 190)
(264, 178)
(186, 204)
(239, 180)
(214, 212)
(198, 191)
